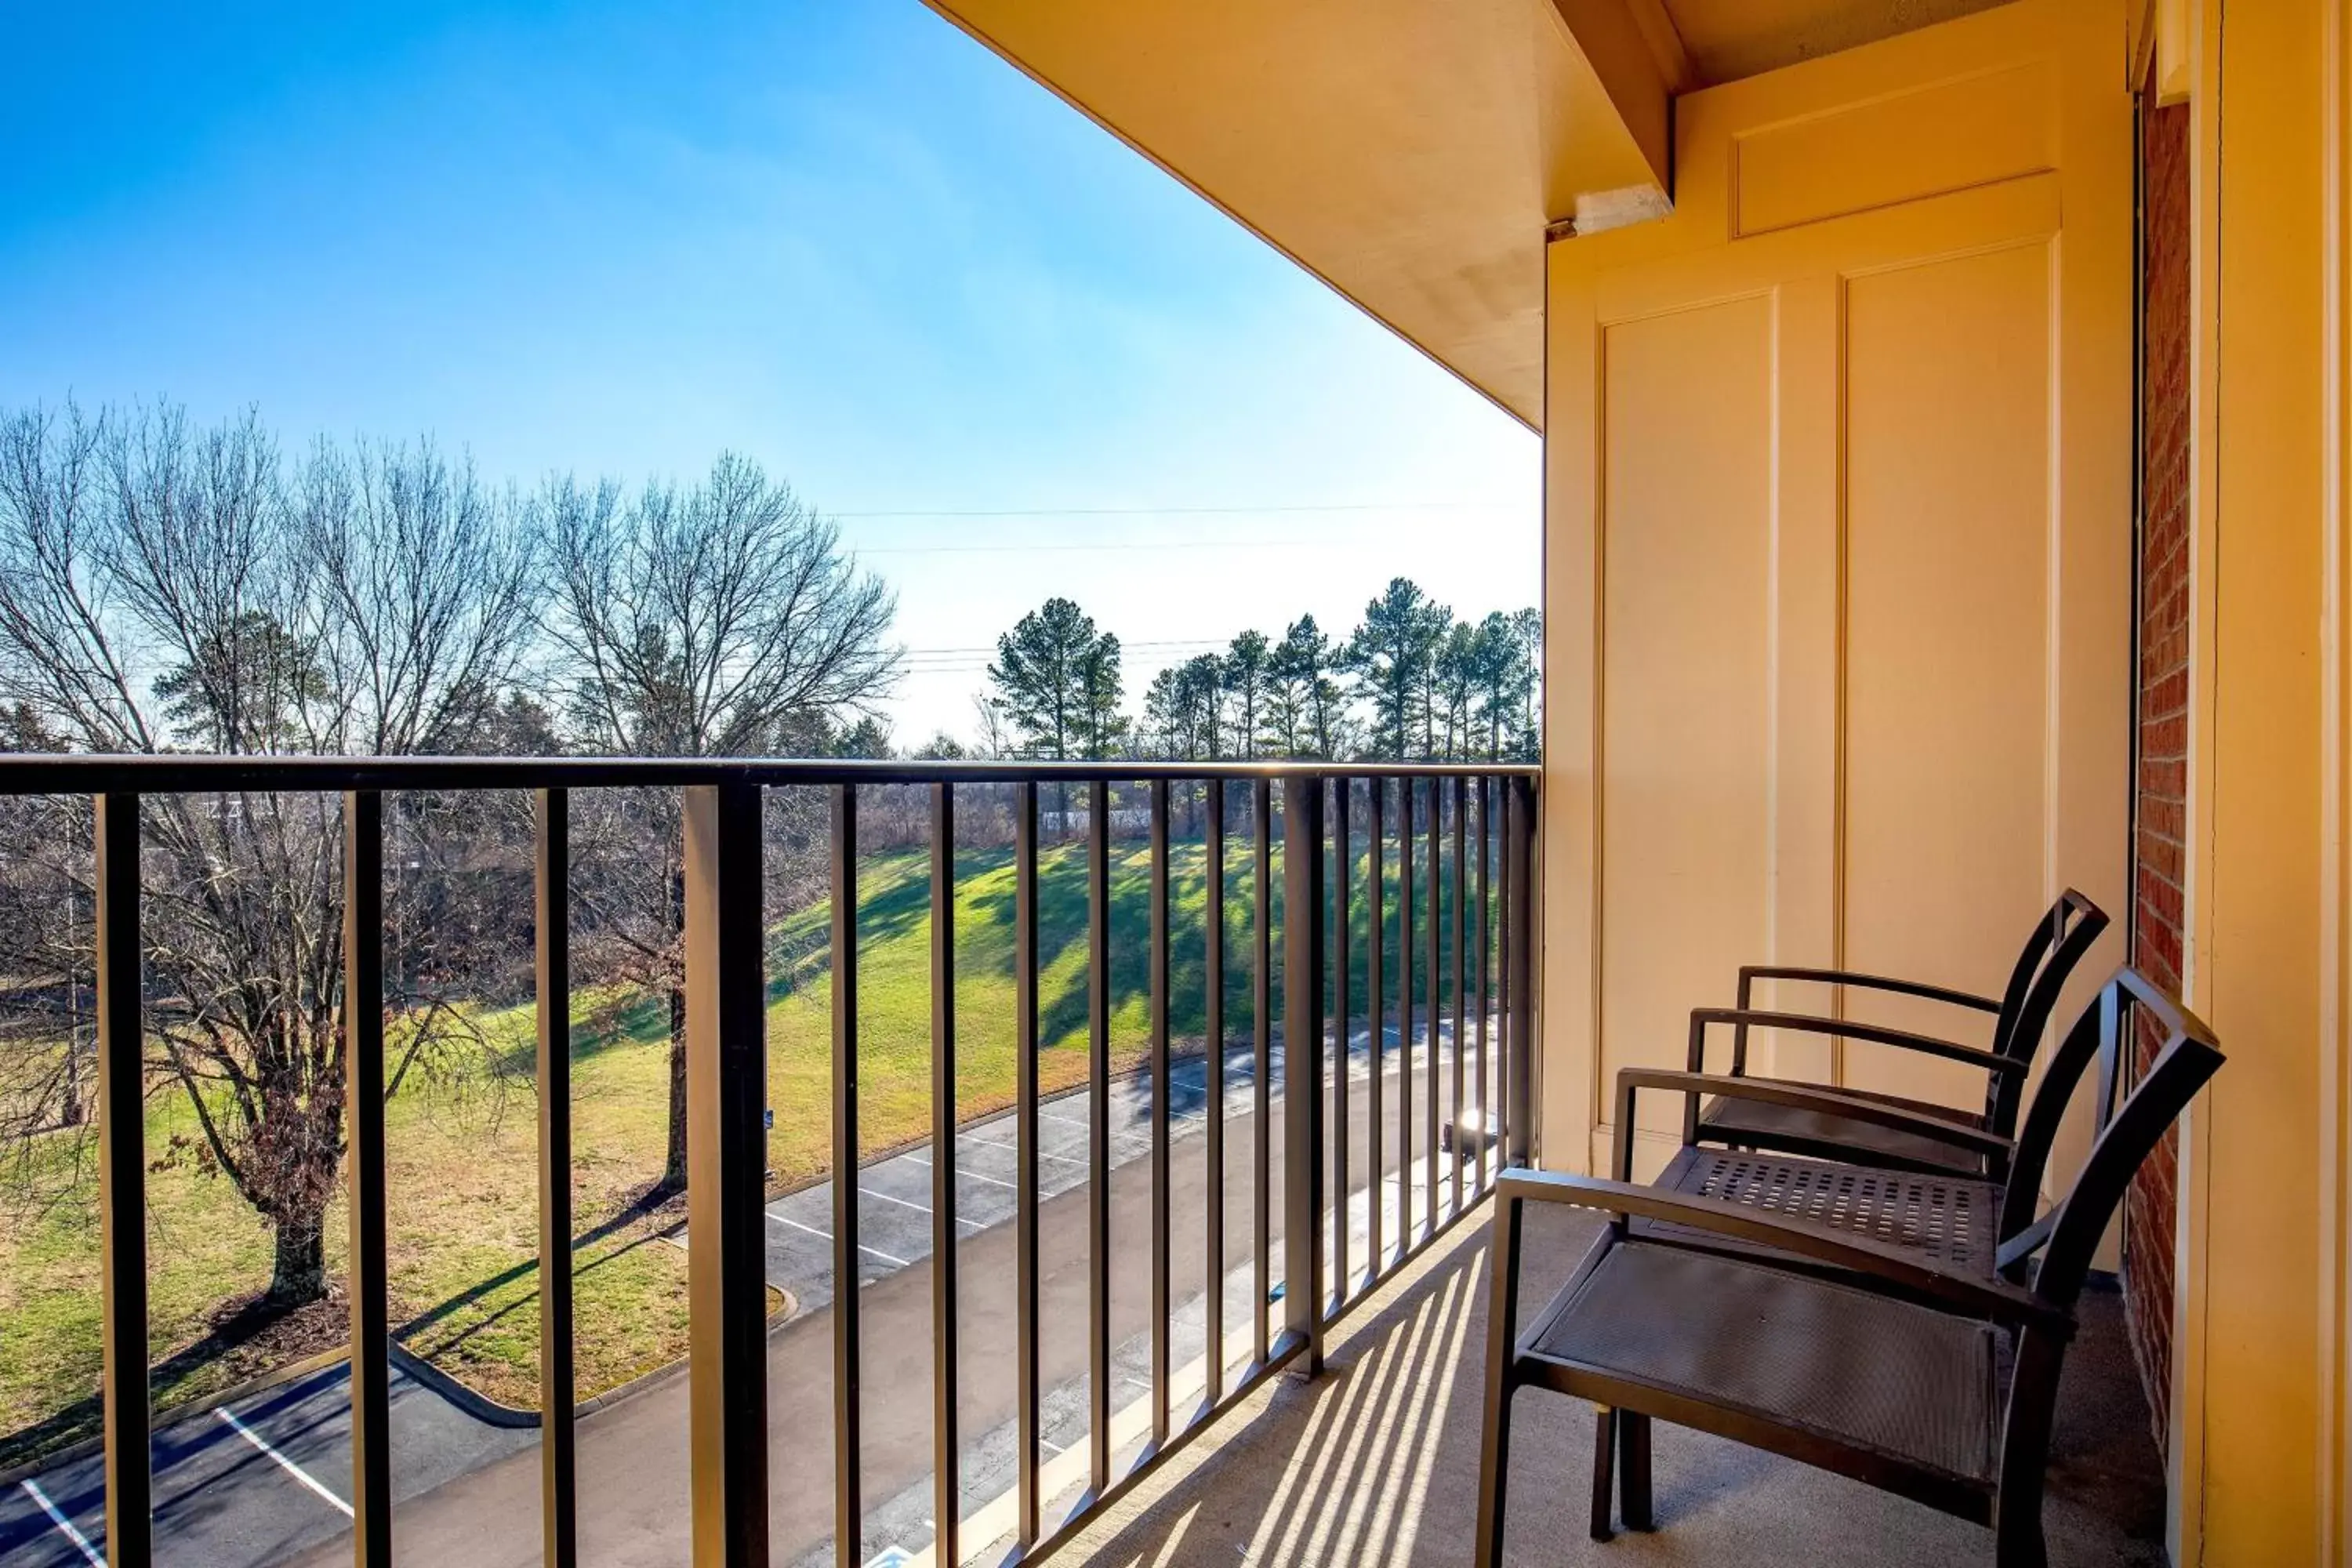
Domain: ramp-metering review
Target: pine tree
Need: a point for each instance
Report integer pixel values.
(1052, 673)
(1392, 655)
(1302, 700)
(1247, 674)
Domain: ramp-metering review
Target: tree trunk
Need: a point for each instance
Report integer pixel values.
(674, 1172)
(298, 1269)
(69, 1112)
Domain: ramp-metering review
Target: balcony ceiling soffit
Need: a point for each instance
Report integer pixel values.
(1728, 39)
(1409, 154)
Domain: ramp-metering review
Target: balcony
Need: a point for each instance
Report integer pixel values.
(1028, 1360)
(1918, 544)
(1377, 1462)
(1039, 1285)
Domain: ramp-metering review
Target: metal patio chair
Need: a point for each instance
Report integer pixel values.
(1900, 1372)
(2053, 949)
(1975, 1223)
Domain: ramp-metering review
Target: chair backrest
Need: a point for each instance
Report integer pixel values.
(2052, 952)
(2067, 1237)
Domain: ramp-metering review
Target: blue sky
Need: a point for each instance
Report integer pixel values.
(839, 236)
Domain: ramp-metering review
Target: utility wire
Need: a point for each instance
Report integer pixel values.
(1195, 510)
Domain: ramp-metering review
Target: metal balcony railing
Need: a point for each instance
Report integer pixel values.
(1487, 811)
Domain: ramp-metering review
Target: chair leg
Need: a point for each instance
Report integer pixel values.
(2019, 1544)
(1633, 1470)
(1493, 1477)
(1605, 1446)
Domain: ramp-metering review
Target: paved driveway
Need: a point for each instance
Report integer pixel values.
(265, 1479)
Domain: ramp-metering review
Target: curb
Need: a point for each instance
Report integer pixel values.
(492, 1413)
(480, 1406)
(82, 1449)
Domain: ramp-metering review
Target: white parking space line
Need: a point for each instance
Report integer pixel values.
(974, 1176)
(282, 1462)
(1012, 1146)
(820, 1235)
(919, 1208)
(827, 1235)
(65, 1526)
(1065, 1121)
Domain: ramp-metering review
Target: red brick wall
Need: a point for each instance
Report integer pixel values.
(2160, 788)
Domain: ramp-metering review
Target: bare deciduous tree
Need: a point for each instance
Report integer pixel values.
(163, 586)
(718, 619)
(431, 582)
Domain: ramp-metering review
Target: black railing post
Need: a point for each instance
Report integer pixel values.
(1343, 857)
(1433, 995)
(559, 1515)
(1028, 1394)
(1404, 1017)
(1376, 1004)
(364, 1087)
(1262, 1072)
(1099, 980)
(1488, 1120)
(1504, 1071)
(1161, 1091)
(1520, 960)
(1213, 1298)
(947, 1454)
(1302, 1064)
(123, 1180)
(726, 1150)
(848, 1500)
(1455, 958)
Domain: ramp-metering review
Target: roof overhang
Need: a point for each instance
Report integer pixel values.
(1413, 155)
(1416, 154)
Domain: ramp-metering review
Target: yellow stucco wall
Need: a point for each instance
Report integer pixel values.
(1838, 550)
(2257, 1446)
(1837, 528)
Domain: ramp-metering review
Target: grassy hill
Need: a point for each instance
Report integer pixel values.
(463, 1176)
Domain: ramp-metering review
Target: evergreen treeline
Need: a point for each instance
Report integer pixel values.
(1411, 682)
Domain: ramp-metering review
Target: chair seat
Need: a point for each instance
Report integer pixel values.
(1838, 1137)
(1918, 1386)
(1948, 1220)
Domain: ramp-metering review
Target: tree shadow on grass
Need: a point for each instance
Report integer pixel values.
(255, 1336)
(646, 1202)
(523, 1300)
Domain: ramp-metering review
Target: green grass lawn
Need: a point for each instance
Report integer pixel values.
(464, 1183)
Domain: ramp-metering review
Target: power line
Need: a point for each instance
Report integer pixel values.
(1193, 510)
(923, 661)
(1042, 549)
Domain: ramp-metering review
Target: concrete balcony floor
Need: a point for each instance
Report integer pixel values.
(1377, 1464)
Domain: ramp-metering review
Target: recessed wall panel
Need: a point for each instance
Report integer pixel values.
(1946, 660)
(1687, 685)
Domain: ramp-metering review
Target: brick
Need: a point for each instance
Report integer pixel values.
(2161, 715)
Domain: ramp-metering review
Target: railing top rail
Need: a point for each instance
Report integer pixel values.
(170, 773)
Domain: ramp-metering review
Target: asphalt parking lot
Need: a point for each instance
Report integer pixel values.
(265, 1479)
(894, 1194)
(253, 1480)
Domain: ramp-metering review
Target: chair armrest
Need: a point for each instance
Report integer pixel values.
(1744, 1018)
(1749, 973)
(1807, 1097)
(1995, 1300)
